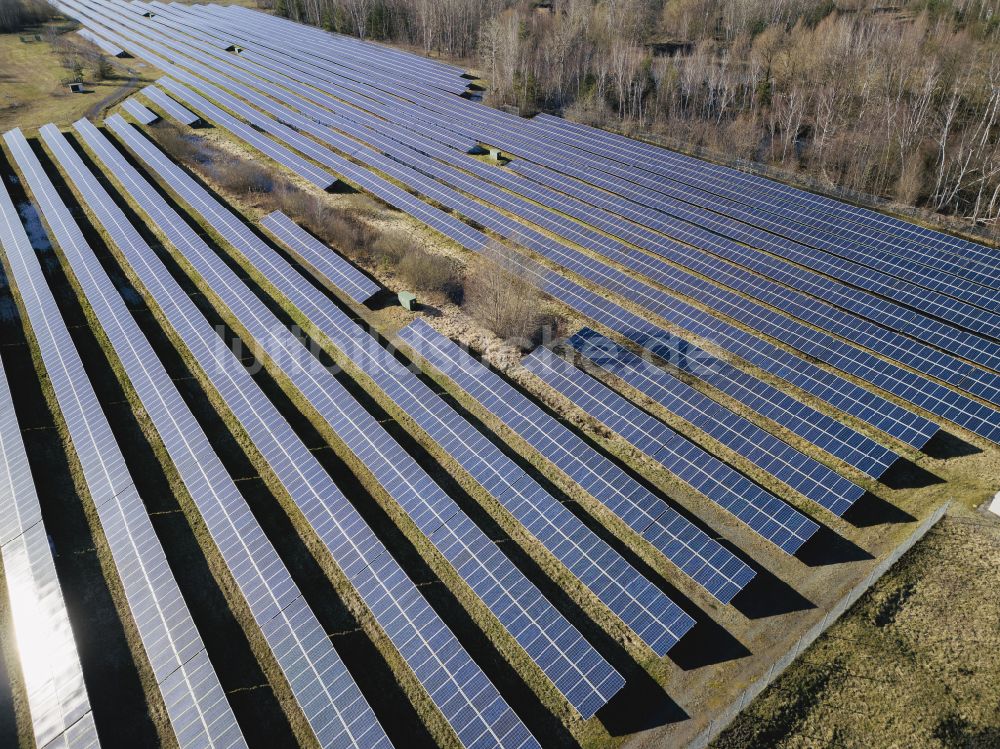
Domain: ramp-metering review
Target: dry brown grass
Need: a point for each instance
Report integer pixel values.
(914, 663)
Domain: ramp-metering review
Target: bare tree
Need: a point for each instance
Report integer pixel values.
(500, 296)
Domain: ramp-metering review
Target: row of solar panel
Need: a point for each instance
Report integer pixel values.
(304, 654)
(587, 679)
(197, 710)
(456, 685)
(42, 636)
(255, 115)
(810, 209)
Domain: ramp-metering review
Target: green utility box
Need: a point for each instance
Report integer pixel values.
(408, 300)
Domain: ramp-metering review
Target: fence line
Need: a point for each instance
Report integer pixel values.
(722, 720)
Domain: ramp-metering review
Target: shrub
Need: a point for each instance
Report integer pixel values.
(499, 296)
(424, 271)
(243, 176)
(390, 248)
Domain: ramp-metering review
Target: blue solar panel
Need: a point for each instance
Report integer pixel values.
(469, 702)
(332, 268)
(763, 512)
(926, 264)
(803, 474)
(702, 558)
(171, 107)
(735, 241)
(835, 218)
(161, 617)
(888, 417)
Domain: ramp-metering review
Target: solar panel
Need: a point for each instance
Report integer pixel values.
(330, 266)
(171, 107)
(559, 649)
(763, 512)
(735, 241)
(696, 554)
(803, 474)
(896, 423)
(833, 217)
(144, 115)
(162, 620)
(463, 693)
(261, 577)
(102, 44)
(926, 262)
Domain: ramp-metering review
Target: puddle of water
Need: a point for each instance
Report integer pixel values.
(33, 226)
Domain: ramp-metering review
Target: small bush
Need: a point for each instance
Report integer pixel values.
(182, 147)
(430, 273)
(499, 296)
(390, 248)
(243, 176)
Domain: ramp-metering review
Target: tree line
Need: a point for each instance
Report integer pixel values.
(898, 101)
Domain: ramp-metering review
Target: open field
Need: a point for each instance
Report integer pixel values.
(34, 85)
(914, 663)
(911, 664)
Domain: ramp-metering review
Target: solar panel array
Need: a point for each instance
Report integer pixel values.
(42, 637)
(573, 665)
(767, 515)
(661, 171)
(865, 405)
(197, 710)
(476, 242)
(735, 242)
(171, 107)
(460, 689)
(890, 325)
(334, 269)
(332, 703)
(649, 613)
(699, 556)
(802, 473)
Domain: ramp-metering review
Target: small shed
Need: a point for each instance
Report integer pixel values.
(76, 87)
(495, 153)
(408, 300)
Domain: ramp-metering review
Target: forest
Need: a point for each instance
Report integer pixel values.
(899, 102)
